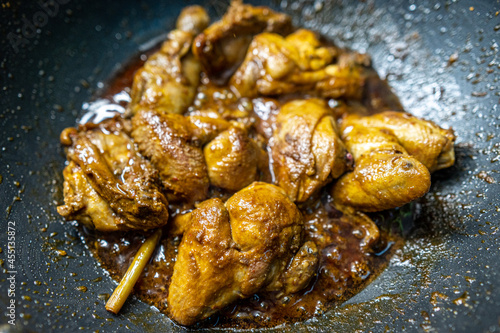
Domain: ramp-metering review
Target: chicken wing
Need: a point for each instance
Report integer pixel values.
(422, 139)
(394, 154)
(306, 149)
(168, 80)
(108, 185)
(222, 46)
(233, 250)
(298, 63)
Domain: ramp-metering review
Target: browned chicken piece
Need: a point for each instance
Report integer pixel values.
(204, 128)
(167, 140)
(371, 233)
(174, 144)
(233, 250)
(300, 271)
(179, 224)
(306, 149)
(108, 185)
(386, 175)
(234, 159)
(276, 65)
(222, 46)
(204, 266)
(168, 80)
(84, 204)
(193, 19)
(422, 139)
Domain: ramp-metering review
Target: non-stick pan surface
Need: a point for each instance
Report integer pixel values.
(440, 57)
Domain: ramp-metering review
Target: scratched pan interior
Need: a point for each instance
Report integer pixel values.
(440, 57)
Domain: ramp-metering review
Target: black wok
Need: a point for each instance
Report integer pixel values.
(440, 57)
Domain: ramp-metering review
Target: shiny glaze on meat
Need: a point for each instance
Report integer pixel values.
(345, 268)
(346, 264)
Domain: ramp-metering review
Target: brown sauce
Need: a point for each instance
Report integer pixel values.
(345, 267)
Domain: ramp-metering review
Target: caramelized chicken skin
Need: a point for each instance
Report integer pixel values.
(306, 149)
(300, 271)
(233, 250)
(167, 140)
(393, 154)
(107, 184)
(204, 128)
(223, 45)
(174, 144)
(422, 139)
(203, 266)
(168, 80)
(297, 63)
(195, 130)
(234, 159)
(193, 19)
(84, 204)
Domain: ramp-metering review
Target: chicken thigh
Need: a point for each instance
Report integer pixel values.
(306, 150)
(174, 143)
(422, 139)
(234, 159)
(107, 184)
(233, 250)
(298, 63)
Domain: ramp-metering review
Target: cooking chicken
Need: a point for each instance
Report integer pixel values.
(222, 46)
(107, 184)
(244, 164)
(234, 159)
(174, 144)
(422, 139)
(306, 149)
(234, 249)
(167, 82)
(277, 65)
(166, 140)
(394, 154)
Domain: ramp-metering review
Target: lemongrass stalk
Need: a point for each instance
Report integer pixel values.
(133, 273)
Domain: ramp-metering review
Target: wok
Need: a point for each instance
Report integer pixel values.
(440, 57)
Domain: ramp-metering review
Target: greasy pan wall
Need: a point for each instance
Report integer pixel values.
(440, 57)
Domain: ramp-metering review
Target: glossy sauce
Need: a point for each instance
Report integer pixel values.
(345, 265)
